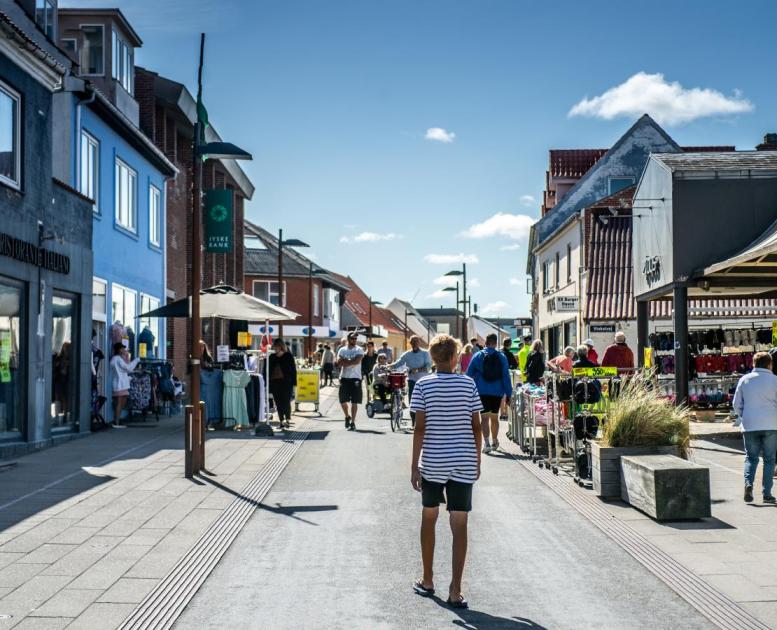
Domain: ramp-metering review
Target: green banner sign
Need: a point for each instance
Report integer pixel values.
(218, 220)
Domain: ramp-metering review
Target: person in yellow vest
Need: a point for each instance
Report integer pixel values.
(523, 354)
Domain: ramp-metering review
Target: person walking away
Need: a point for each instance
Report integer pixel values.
(618, 354)
(384, 349)
(535, 364)
(562, 364)
(380, 374)
(328, 364)
(349, 359)
(512, 364)
(755, 402)
(121, 368)
(368, 363)
(523, 354)
(476, 347)
(283, 379)
(446, 460)
(465, 358)
(593, 356)
(488, 369)
(418, 364)
(582, 358)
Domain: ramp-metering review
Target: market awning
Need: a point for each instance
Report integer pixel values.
(226, 302)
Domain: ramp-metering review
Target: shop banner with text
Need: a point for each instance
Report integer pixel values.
(217, 217)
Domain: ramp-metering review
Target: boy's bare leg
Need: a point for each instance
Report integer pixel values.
(428, 524)
(459, 530)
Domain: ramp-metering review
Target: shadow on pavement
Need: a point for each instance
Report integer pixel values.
(475, 620)
(370, 431)
(703, 524)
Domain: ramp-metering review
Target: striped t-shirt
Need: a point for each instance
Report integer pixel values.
(449, 450)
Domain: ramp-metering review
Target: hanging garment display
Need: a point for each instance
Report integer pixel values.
(210, 390)
(235, 404)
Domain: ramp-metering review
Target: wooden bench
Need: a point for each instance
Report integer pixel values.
(666, 487)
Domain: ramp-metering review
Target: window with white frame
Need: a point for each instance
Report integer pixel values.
(93, 49)
(546, 276)
(90, 168)
(316, 300)
(148, 303)
(267, 290)
(123, 62)
(126, 196)
(10, 136)
(154, 216)
(99, 295)
(123, 305)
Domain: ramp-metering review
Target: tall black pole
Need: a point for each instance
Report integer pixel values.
(369, 330)
(280, 278)
(310, 310)
(458, 321)
(196, 428)
(464, 288)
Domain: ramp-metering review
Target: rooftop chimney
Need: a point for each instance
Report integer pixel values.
(769, 143)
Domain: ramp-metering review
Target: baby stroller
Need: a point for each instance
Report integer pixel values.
(396, 384)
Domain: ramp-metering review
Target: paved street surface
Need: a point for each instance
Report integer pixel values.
(336, 546)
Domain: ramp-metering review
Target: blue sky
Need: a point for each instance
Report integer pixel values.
(335, 101)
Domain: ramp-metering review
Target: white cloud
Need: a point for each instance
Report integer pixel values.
(446, 281)
(514, 226)
(494, 308)
(439, 293)
(668, 103)
(516, 282)
(438, 134)
(510, 248)
(370, 237)
(527, 200)
(473, 283)
(451, 259)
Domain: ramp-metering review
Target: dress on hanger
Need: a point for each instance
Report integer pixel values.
(235, 403)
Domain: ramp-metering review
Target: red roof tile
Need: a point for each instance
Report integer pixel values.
(573, 162)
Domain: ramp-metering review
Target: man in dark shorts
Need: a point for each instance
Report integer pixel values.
(368, 363)
(349, 360)
(446, 459)
(489, 370)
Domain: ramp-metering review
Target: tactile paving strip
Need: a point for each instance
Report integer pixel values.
(704, 597)
(161, 608)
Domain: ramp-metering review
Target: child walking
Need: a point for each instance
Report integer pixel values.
(447, 443)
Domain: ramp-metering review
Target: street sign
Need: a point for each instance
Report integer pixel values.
(522, 321)
(601, 328)
(218, 220)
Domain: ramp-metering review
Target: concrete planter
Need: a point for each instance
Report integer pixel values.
(606, 465)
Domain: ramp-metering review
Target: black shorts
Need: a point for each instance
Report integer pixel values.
(456, 494)
(351, 390)
(491, 404)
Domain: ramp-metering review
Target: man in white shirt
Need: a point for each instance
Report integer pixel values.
(755, 402)
(349, 360)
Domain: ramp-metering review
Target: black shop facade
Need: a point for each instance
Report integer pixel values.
(45, 264)
(705, 245)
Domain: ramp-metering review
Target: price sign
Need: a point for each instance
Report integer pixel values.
(244, 339)
(222, 354)
(142, 350)
(595, 372)
(774, 333)
(647, 355)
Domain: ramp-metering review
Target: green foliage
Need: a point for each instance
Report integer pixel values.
(641, 417)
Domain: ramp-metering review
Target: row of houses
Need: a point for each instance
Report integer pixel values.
(615, 242)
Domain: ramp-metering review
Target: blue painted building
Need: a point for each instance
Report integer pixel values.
(113, 163)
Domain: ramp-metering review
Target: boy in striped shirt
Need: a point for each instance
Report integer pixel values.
(447, 441)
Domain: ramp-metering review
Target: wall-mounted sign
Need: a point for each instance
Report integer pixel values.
(601, 328)
(217, 216)
(222, 354)
(651, 269)
(522, 321)
(566, 304)
(32, 254)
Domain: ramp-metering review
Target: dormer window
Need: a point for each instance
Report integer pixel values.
(123, 62)
(45, 15)
(93, 51)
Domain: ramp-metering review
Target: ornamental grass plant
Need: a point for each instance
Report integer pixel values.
(639, 416)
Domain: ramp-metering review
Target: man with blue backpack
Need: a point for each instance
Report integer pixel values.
(491, 374)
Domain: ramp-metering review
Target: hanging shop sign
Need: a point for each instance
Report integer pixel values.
(31, 254)
(601, 328)
(218, 220)
(566, 304)
(651, 269)
(595, 372)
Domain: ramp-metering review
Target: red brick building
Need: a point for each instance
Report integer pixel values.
(167, 116)
(313, 292)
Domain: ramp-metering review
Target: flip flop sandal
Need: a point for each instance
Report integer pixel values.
(459, 603)
(420, 589)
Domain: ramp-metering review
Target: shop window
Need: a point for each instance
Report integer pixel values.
(93, 50)
(619, 183)
(10, 135)
(154, 216)
(268, 291)
(12, 341)
(126, 196)
(149, 326)
(64, 362)
(90, 168)
(99, 299)
(123, 309)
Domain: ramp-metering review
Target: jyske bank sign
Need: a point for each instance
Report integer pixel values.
(218, 220)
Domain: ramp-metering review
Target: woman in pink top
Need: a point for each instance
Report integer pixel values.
(563, 362)
(465, 358)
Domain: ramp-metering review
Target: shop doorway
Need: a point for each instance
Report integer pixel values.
(11, 366)
(64, 362)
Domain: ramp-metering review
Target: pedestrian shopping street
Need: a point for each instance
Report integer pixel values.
(318, 528)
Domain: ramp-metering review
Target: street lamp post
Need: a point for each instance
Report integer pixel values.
(290, 242)
(405, 330)
(463, 274)
(194, 459)
(458, 327)
(312, 272)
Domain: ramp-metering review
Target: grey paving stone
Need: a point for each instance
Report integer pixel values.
(111, 567)
(128, 590)
(146, 536)
(15, 575)
(102, 616)
(75, 535)
(47, 553)
(36, 590)
(7, 557)
(43, 623)
(83, 556)
(69, 602)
